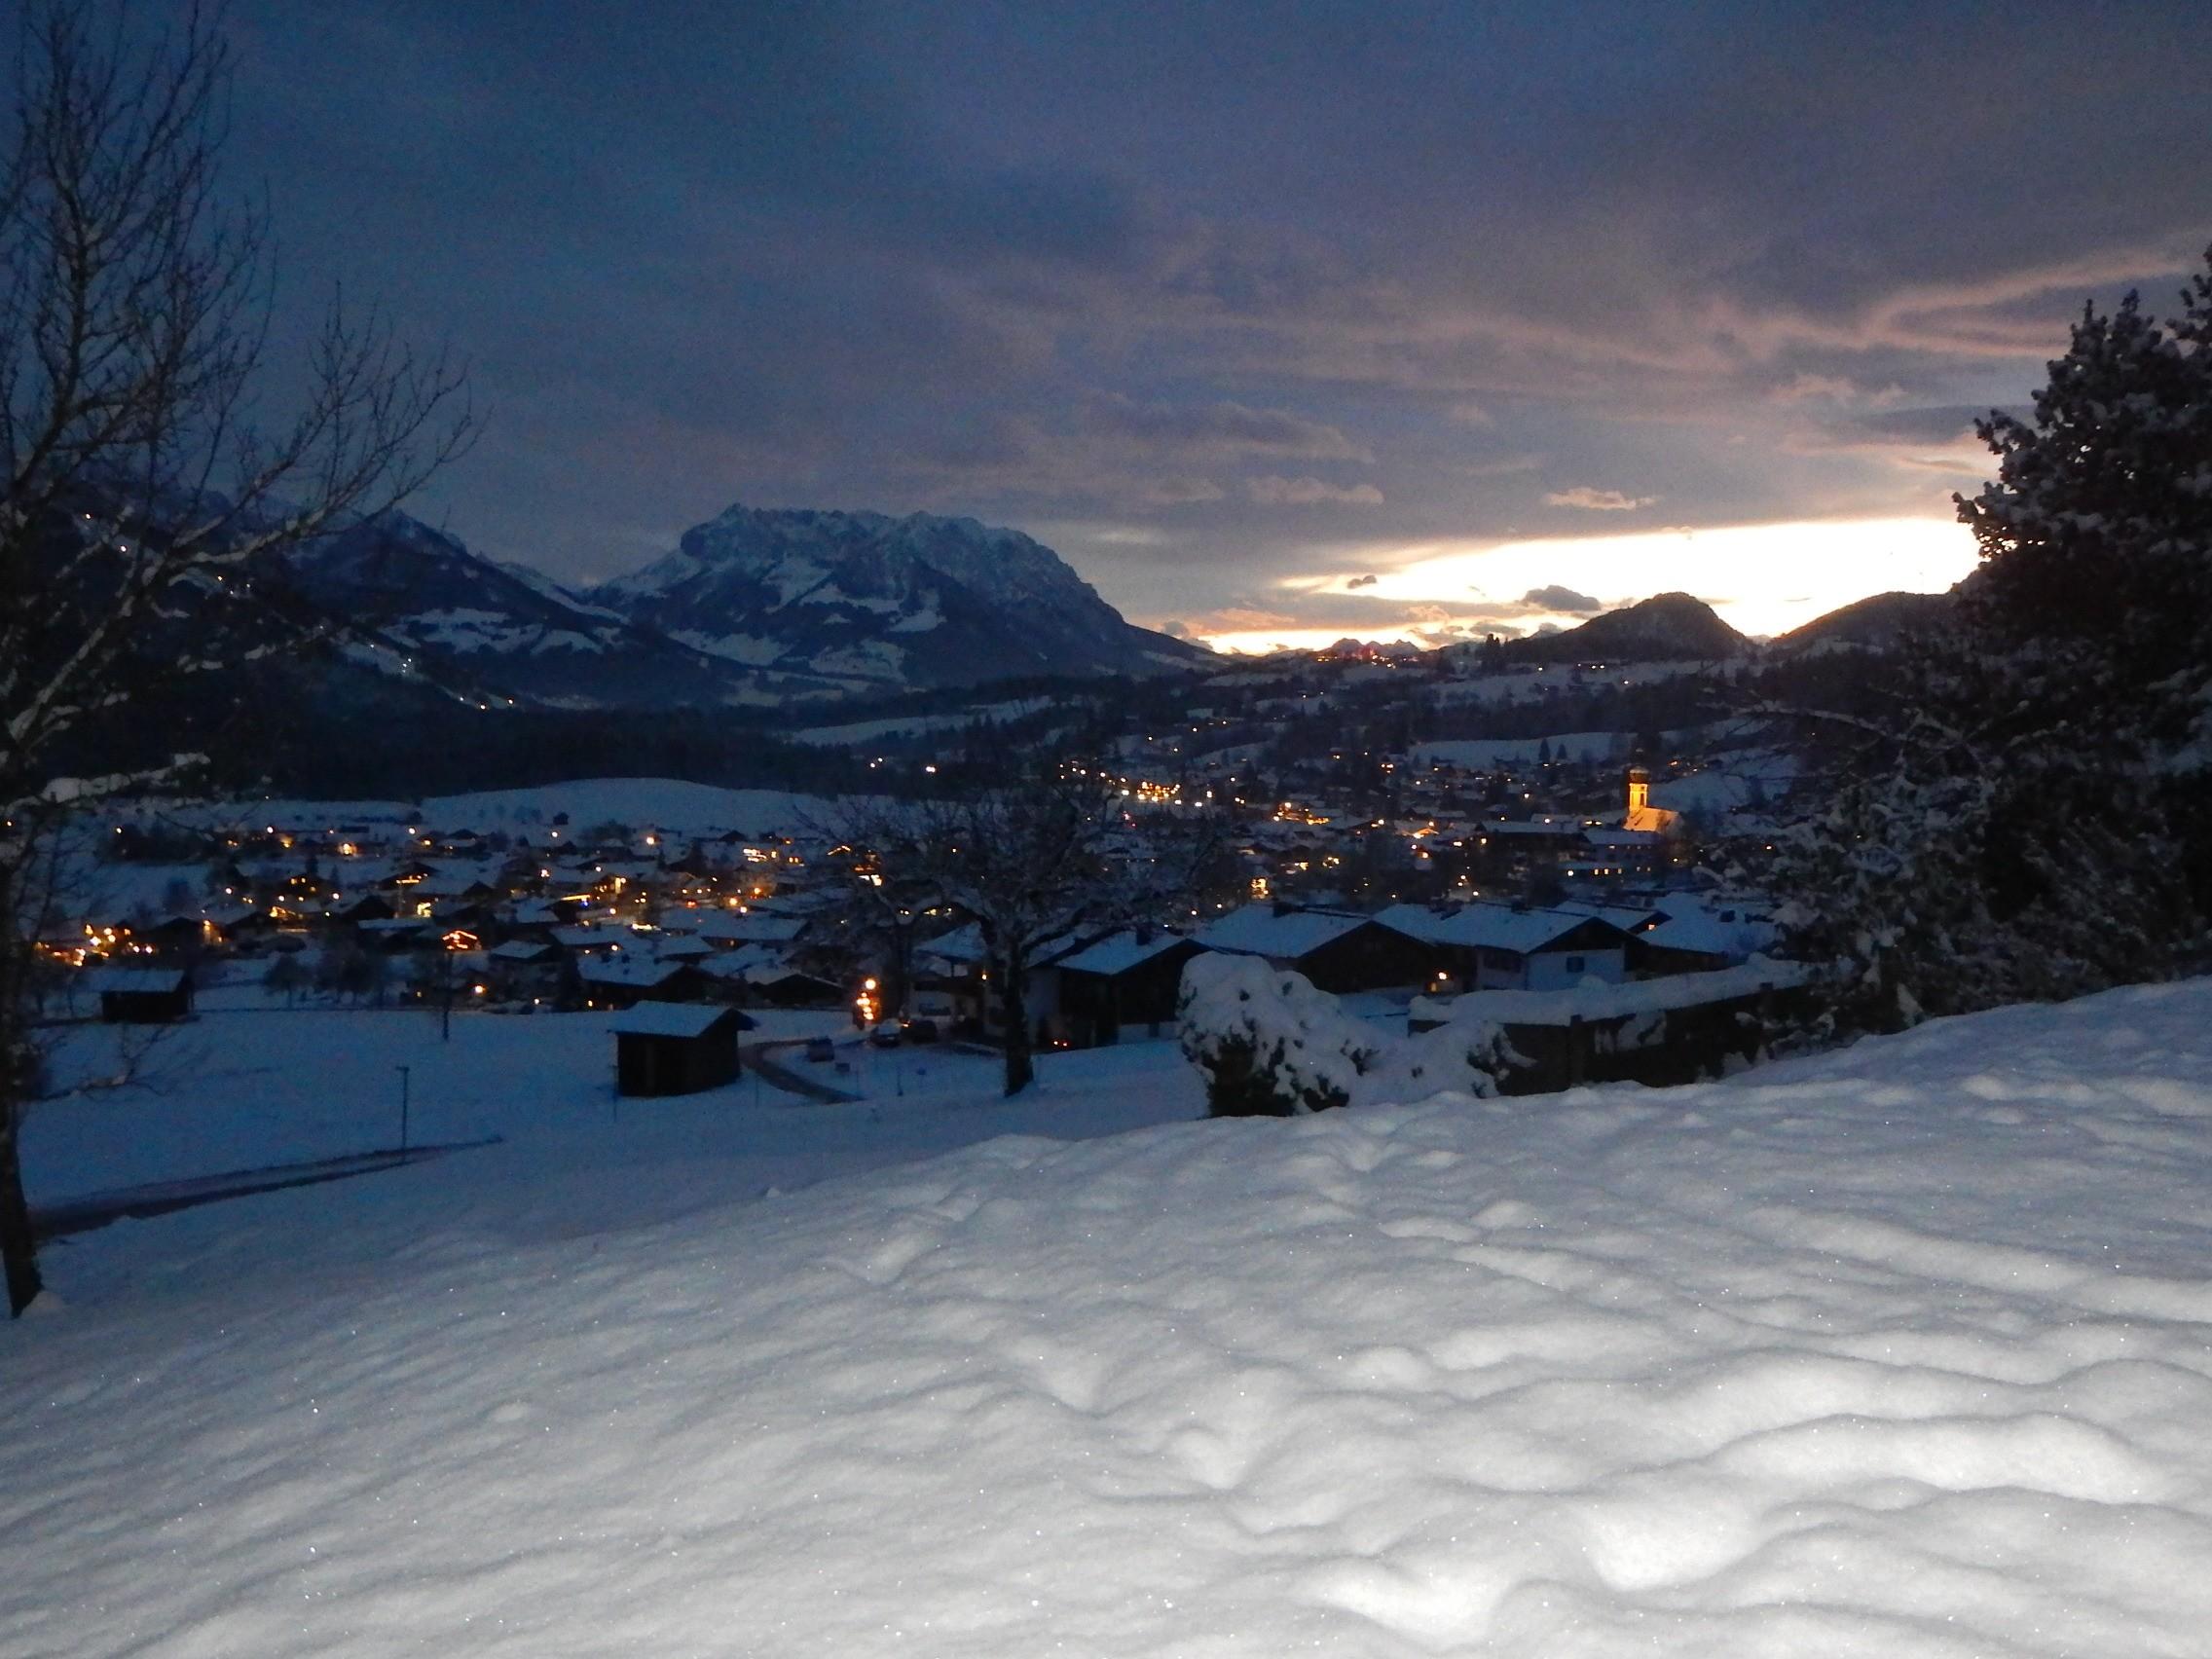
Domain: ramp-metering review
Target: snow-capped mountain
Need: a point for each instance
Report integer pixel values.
(755, 608)
(406, 588)
(880, 602)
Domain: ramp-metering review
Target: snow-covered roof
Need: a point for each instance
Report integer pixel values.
(630, 970)
(669, 1020)
(1258, 928)
(518, 950)
(726, 925)
(1488, 927)
(1712, 929)
(1119, 952)
(1595, 1001)
(964, 947)
(140, 982)
(1628, 918)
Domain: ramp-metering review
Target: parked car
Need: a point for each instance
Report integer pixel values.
(818, 1048)
(884, 1034)
(921, 1030)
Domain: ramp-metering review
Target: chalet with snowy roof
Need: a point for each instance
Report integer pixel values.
(1619, 854)
(1125, 980)
(665, 1047)
(1491, 947)
(1661, 1031)
(729, 928)
(577, 939)
(1337, 950)
(1691, 932)
(393, 935)
(520, 968)
(623, 981)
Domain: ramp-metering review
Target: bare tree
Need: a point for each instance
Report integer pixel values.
(1031, 862)
(134, 315)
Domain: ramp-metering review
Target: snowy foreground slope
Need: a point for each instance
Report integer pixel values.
(1902, 1351)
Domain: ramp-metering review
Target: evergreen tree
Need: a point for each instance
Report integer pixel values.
(2026, 817)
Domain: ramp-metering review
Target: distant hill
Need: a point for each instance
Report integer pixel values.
(1666, 627)
(1875, 622)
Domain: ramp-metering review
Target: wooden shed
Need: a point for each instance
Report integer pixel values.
(142, 996)
(675, 1048)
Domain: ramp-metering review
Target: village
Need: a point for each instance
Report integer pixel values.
(1554, 885)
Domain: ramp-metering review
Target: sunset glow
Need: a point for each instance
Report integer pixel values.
(1763, 578)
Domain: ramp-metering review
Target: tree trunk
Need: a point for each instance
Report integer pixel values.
(17, 1248)
(1013, 984)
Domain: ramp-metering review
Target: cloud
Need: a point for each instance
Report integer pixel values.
(1471, 415)
(1808, 386)
(1175, 628)
(1505, 466)
(1366, 581)
(1177, 492)
(1557, 598)
(1220, 429)
(1597, 500)
(1274, 491)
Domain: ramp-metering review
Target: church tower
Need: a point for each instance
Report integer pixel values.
(1638, 790)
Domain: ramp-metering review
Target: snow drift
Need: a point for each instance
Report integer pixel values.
(1905, 1350)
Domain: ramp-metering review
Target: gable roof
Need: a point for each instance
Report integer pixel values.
(137, 981)
(1258, 928)
(1496, 927)
(673, 1019)
(1119, 952)
(630, 971)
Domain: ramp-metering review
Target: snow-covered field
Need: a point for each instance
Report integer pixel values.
(671, 803)
(1903, 1351)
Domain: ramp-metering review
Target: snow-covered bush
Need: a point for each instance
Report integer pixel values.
(1270, 1045)
(1466, 1054)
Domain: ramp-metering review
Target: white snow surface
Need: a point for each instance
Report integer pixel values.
(1902, 1350)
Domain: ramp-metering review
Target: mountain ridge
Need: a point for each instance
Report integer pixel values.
(755, 607)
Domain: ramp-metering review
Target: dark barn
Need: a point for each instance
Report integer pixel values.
(143, 996)
(675, 1048)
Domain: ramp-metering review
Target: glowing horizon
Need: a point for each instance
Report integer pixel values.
(1762, 580)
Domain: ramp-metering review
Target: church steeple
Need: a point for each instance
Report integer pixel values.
(1638, 790)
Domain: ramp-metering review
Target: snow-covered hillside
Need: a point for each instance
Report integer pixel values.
(1902, 1350)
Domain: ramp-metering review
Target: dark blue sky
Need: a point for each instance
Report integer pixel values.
(1217, 298)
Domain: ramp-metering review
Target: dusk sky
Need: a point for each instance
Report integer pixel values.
(1279, 322)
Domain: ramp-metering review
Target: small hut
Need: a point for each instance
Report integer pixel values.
(675, 1048)
(142, 996)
